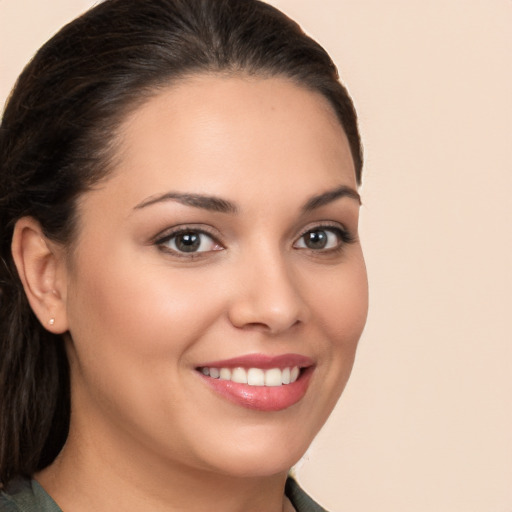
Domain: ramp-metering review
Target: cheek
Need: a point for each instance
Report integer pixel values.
(131, 331)
(138, 306)
(341, 305)
(341, 308)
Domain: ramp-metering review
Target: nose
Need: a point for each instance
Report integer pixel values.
(267, 297)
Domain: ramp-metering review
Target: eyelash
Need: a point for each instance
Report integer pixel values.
(344, 237)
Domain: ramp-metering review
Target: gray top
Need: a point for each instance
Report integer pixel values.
(23, 495)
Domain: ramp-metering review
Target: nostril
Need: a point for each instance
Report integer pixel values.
(272, 327)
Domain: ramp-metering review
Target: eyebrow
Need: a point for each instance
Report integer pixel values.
(330, 196)
(211, 203)
(216, 204)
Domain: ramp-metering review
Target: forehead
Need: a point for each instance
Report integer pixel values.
(211, 133)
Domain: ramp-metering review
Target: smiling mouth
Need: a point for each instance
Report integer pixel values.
(272, 377)
(257, 381)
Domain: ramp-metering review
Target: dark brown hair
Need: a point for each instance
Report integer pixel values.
(56, 141)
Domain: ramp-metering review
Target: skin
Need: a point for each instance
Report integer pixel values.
(144, 426)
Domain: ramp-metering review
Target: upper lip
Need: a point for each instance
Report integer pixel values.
(263, 361)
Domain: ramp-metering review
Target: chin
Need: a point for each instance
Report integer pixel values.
(261, 456)
(258, 467)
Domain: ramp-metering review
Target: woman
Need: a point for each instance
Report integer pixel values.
(183, 287)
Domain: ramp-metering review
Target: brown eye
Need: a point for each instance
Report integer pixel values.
(190, 241)
(317, 239)
(321, 239)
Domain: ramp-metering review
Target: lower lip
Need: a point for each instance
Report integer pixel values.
(262, 398)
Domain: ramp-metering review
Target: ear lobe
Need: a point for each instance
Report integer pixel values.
(41, 267)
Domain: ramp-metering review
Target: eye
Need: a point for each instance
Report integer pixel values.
(189, 241)
(323, 239)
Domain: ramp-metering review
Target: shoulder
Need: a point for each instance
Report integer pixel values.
(6, 505)
(300, 500)
(11, 492)
(24, 495)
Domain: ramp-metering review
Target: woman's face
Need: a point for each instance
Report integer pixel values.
(223, 247)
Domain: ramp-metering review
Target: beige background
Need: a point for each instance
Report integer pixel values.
(426, 422)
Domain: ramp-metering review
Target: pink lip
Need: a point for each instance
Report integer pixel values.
(262, 398)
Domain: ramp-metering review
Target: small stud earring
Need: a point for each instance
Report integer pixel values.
(52, 321)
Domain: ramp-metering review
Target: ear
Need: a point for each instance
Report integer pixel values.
(41, 265)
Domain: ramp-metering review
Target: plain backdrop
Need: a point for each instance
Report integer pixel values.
(425, 423)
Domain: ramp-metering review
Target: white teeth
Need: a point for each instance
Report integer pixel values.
(239, 375)
(254, 376)
(225, 374)
(273, 377)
